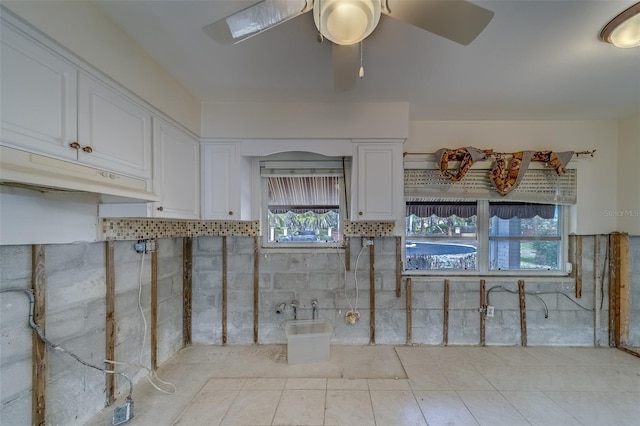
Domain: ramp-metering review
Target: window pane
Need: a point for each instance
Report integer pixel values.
(525, 240)
(435, 242)
(298, 225)
(303, 209)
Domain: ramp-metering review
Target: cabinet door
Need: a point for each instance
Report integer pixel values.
(38, 97)
(176, 172)
(379, 169)
(220, 175)
(114, 132)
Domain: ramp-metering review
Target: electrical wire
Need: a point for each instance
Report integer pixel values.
(500, 288)
(53, 346)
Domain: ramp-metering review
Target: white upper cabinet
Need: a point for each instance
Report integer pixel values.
(378, 181)
(114, 132)
(51, 107)
(176, 172)
(38, 97)
(220, 181)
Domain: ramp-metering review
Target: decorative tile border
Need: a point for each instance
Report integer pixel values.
(369, 229)
(141, 228)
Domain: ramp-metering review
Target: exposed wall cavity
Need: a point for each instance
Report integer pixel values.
(76, 309)
(75, 320)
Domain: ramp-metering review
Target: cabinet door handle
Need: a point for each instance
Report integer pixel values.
(360, 213)
(230, 213)
(75, 145)
(87, 149)
(160, 209)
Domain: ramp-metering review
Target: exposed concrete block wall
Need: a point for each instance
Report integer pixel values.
(307, 274)
(75, 320)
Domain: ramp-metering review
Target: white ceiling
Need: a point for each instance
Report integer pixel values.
(536, 60)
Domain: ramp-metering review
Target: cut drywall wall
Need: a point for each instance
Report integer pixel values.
(82, 28)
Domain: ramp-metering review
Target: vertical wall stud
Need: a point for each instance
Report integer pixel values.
(619, 289)
(372, 294)
(398, 266)
(523, 314)
(347, 253)
(256, 287)
(110, 326)
(39, 351)
(409, 316)
(445, 314)
(187, 285)
(224, 290)
(153, 306)
(483, 313)
(579, 266)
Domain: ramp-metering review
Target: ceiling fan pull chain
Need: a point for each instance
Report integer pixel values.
(361, 70)
(320, 36)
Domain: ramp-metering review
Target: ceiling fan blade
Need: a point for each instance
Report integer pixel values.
(255, 19)
(456, 20)
(345, 66)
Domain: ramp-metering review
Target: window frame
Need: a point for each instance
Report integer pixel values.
(482, 249)
(304, 165)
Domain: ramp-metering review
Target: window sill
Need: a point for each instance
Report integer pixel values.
(553, 275)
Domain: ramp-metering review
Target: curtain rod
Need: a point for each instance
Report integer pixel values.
(577, 154)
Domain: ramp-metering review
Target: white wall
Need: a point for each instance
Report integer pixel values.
(297, 120)
(597, 176)
(83, 29)
(628, 211)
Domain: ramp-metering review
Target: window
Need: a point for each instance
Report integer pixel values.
(467, 227)
(483, 236)
(303, 200)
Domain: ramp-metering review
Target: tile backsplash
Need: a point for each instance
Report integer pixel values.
(144, 228)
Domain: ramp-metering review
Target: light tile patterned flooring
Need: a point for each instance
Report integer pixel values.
(403, 385)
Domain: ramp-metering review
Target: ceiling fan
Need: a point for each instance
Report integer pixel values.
(347, 22)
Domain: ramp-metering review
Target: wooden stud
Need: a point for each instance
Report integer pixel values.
(523, 314)
(256, 287)
(619, 285)
(39, 348)
(445, 314)
(110, 326)
(372, 294)
(572, 253)
(409, 313)
(154, 310)
(224, 289)
(398, 266)
(483, 313)
(187, 285)
(347, 253)
(578, 265)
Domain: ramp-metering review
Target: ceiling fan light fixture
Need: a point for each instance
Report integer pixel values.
(624, 30)
(346, 22)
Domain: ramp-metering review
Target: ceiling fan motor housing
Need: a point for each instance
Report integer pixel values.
(346, 22)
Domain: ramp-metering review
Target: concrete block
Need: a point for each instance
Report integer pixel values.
(325, 280)
(207, 280)
(290, 281)
(207, 245)
(15, 379)
(242, 281)
(239, 262)
(17, 411)
(15, 267)
(67, 288)
(240, 300)
(274, 262)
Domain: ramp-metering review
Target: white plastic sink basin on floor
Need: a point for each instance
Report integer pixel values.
(308, 341)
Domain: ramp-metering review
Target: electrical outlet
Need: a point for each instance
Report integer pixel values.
(366, 242)
(490, 311)
(123, 414)
(140, 246)
(145, 246)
